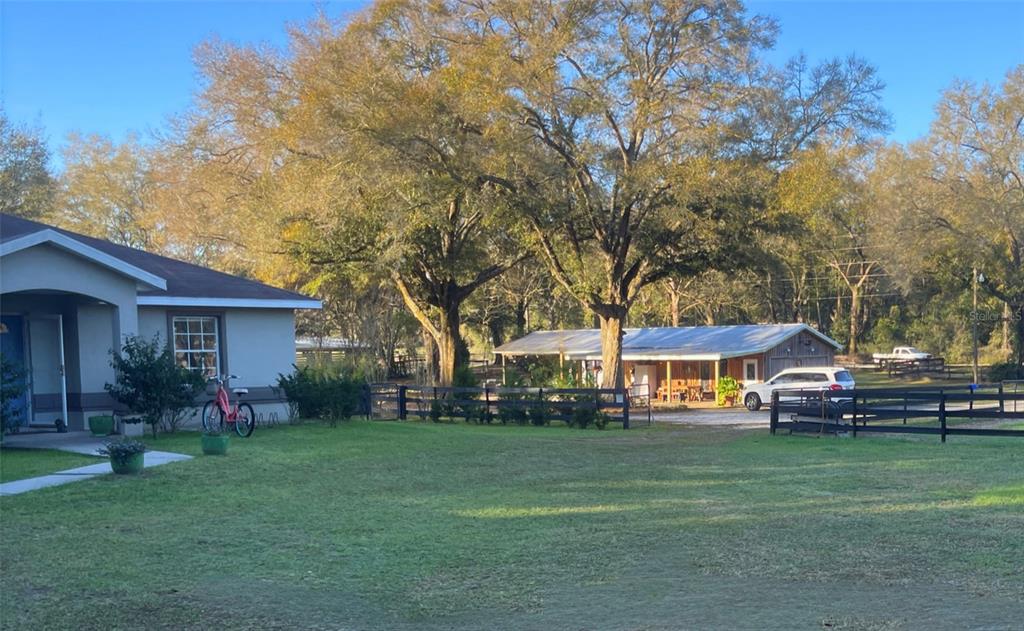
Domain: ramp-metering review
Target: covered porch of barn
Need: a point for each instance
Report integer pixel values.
(690, 378)
(684, 364)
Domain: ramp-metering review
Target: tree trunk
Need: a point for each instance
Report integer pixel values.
(611, 346)
(429, 356)
(521, 309)
(446, 359)
(798, 300)
(821, 324)
(451, 350)
(1019, 309)
(709, 315)
(497, 330)
(772, 315)
(851, 348)
(673, 301)
(1006, 346)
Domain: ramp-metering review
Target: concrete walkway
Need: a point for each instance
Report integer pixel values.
(74, 442)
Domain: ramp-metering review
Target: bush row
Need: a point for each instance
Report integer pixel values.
(536, 414)
(329, 392)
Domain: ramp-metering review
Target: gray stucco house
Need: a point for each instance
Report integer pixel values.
(67, 299)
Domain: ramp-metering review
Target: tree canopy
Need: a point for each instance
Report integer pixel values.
(476, 170)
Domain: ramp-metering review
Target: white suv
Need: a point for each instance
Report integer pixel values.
(809, 378)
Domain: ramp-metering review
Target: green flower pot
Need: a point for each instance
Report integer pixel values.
(101, 425)
(215, 445)
(132, 465)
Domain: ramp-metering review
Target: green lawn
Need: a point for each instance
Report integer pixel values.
(881, 379)
(18, 464)
(420, 526)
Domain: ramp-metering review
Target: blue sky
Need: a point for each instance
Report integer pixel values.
(115, 67)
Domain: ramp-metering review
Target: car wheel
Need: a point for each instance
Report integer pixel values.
(752, 401)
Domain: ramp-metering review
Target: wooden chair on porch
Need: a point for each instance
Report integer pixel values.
(693, 393)
(678, 392)
(707, 393)
(679, 389)
(663, 392)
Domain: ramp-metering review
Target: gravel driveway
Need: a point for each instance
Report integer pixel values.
(738, 417)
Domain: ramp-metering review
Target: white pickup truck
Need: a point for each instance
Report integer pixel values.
(900, 352)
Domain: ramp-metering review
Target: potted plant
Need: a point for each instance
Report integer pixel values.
(215, 442)
(727, 391)
(126, 455)
(101, 425)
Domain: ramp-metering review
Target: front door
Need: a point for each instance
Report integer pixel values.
(705, 377)
(46, 359)
(750, 371)
(644, 376)
(12, 348)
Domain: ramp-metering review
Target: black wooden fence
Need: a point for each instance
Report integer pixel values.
(391, 400)
(914, 367)
(922, 410)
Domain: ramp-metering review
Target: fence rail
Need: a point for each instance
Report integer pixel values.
(391, 400)
(864, 410)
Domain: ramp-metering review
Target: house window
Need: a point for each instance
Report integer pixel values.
(197, 344)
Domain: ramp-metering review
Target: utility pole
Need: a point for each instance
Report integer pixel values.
(974, 320)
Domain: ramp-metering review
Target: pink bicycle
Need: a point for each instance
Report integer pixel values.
(219, 411)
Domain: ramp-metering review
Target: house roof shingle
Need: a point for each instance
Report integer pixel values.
(185, 281)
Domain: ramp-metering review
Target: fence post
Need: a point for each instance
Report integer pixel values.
(774, 418)
(625, 409)
(487, 402)
(1002, 405)
(401, 403)
(649, 420)
(904, 409)
(368, 400)
(942, 416)
(854, 419)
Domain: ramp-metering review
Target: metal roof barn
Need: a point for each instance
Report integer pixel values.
(694, 343)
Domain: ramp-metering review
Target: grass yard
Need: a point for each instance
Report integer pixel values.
(881, 379)
(18, 464)
(420, 526)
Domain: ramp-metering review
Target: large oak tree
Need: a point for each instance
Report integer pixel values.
(662, 128)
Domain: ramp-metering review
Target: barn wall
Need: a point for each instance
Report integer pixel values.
(800, 350)
(735, 367)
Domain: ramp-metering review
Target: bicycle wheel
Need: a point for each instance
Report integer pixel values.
(213, 417)
(245, 422)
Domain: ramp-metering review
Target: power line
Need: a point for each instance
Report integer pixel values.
(846, 249)
(817, 278)
(889, 293)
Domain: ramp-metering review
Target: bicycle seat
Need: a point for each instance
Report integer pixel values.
(238, 391)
